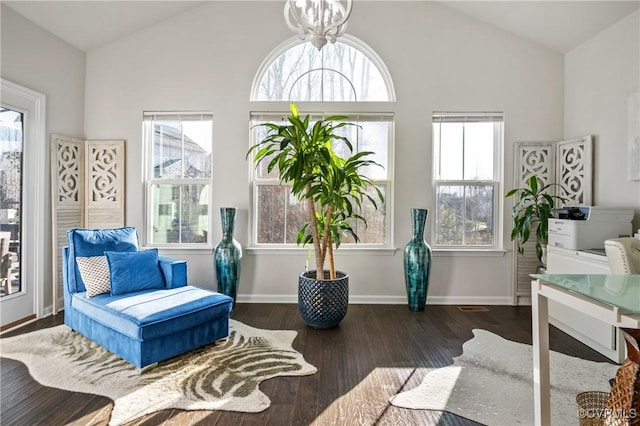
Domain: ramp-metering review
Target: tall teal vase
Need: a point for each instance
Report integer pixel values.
(227, 255)
(417, 262)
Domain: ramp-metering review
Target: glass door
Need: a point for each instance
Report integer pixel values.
(11, 162)
(23, 216)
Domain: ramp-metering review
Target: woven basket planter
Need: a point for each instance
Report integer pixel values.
(591, 407)
(323, 303)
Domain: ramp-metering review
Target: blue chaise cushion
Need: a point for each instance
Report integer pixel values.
(150, 314)
(134, 271)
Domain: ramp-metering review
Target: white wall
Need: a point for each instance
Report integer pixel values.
(599, 76)
(206, 59)
(34, 58)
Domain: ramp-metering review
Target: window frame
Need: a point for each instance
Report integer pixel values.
(497, 183)
(150, 181)
(349, 109)
(319, 110)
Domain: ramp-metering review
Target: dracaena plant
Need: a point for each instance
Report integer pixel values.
(333, 188)
(532, 210)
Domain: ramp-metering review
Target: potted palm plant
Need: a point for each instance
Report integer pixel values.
(531, 212)
(333, 189)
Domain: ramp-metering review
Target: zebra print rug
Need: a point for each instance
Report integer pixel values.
(225, 376)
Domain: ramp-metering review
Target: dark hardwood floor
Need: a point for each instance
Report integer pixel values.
(376, 351)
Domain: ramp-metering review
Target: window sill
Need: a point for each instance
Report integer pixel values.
(440, 252)
(177, 251)
(302, 251)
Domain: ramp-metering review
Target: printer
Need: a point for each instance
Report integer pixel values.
(587, 227)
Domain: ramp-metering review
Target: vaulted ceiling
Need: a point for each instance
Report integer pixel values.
(558, 25)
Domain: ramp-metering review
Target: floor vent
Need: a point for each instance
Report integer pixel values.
(473, 308)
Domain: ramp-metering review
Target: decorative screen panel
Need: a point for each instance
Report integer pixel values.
(534, 158)
(573, 169)
(67, 199)
(68, 154)
(105, 184)
(87, 191)
(567, 163)
(531, 158)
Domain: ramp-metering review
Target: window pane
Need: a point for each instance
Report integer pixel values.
(11, 174)
(316, 85)
(370, 136)
(260, 132)
(365, 136)
(180, 213)
(478, 151)
(479, 216)
(339, 72)
(181, 148)
(280, 215)
(449, 215)
(374, 136)
(271, 208)
(375, 231)
(296, 214)
(464, 215)
(450, 144)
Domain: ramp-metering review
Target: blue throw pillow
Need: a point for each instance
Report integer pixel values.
(134, 271)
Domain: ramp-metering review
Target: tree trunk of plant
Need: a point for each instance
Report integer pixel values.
(327, 243)
(332, 268)
(319, 255)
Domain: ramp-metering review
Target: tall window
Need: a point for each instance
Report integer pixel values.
(279, 215)
(333, 81)
(178, 178)
(467, 156)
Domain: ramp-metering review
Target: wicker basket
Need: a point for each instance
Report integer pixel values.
(624, 401)
(592, 407)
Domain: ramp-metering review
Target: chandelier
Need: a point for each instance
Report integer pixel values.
(318, 20)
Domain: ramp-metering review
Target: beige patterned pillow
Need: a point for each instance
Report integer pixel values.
(94, 271)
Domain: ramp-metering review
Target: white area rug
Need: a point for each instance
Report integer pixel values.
(225, 376)
(492, 383)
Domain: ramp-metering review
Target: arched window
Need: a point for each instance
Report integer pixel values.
(345, 78)
(344, 71)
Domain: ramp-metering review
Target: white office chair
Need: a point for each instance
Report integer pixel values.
(623, 255)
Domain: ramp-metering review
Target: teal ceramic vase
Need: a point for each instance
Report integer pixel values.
(417, 262)
(227, 255)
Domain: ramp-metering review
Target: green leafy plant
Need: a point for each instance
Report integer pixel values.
(533, 209)
(333, 187)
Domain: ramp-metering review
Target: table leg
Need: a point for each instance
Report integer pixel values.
(541, 384)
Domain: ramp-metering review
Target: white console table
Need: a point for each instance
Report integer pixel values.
(613, 299)
(593, 332)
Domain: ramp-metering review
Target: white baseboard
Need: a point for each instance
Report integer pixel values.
(381, 300)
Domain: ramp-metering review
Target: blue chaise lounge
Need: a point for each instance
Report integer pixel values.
(135, 304)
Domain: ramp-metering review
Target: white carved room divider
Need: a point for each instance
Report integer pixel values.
(573, 170)
(531, 158)
(87, 187)
(567, 163)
